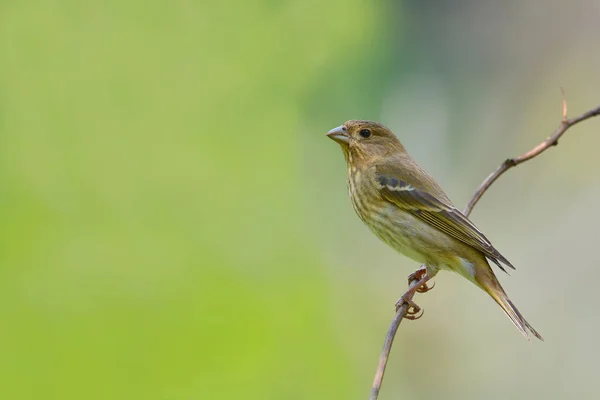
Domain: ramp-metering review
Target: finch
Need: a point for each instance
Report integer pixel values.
(406, 208)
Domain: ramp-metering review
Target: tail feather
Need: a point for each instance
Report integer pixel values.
(521, 319)
(495, 290)
(512, 312)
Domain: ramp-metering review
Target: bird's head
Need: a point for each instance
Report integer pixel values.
(363, 141)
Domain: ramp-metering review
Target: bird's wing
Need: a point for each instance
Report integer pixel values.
(437, 211)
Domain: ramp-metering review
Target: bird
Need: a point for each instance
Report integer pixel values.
(406, 208)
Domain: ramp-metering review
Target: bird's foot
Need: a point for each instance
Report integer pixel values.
(425, 288)
(413, 311)
(419, 275)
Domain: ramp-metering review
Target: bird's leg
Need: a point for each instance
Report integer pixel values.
(418, 274)
(413, 309)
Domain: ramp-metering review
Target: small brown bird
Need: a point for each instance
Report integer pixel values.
(406, 208)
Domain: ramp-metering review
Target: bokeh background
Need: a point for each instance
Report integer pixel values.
(175, 225)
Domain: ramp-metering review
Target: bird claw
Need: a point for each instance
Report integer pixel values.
(413, 311)
(414, 315)
(418, 275)
(425, 288)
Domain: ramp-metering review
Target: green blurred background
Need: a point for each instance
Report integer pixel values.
(175, 225)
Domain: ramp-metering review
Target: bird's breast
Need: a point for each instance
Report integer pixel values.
(397, 228)
(364, 194)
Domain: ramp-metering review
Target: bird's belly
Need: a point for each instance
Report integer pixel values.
(398, 230)
(412, 237)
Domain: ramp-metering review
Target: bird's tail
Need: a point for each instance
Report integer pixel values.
(490, 284)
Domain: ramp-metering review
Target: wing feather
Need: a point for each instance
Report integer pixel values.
(439, 213)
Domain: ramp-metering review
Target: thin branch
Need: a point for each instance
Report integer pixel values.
(509, 163)
(552, 140)
(387, 345)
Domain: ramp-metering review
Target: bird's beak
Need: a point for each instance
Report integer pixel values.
(339, 134)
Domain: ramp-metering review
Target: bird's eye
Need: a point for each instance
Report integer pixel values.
(365, 133)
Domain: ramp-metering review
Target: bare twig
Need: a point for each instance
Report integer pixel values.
(552, 140)
(387, 345)
(509, 163)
